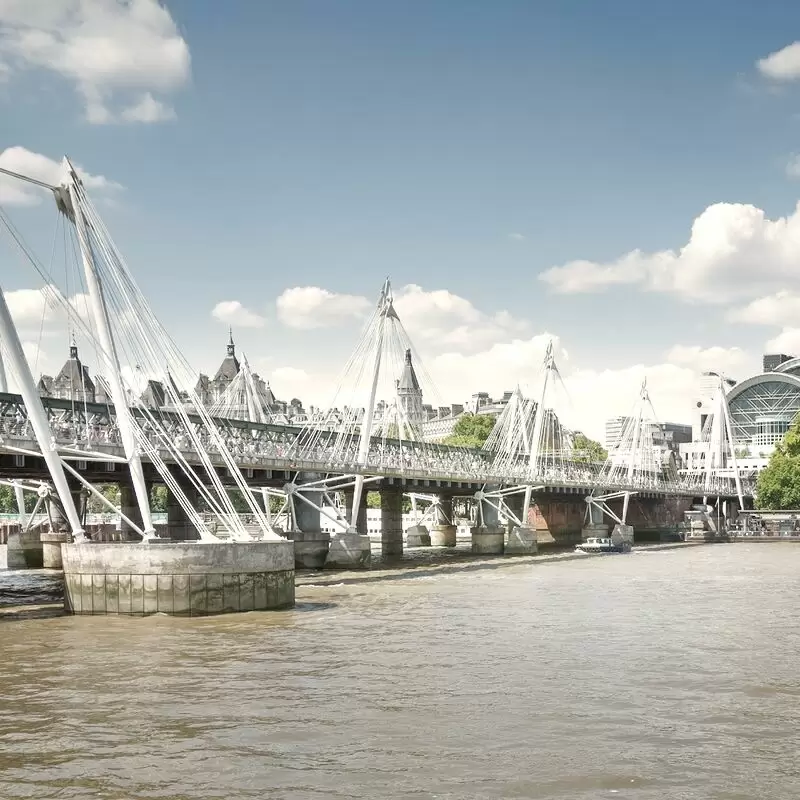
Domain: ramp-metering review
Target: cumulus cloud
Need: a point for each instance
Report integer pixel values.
(452, 322)
(787, 341)
(782, 65)
(309, 307)
(115, 52)
(734, 252)
(727, 360)
(35, 165)
(781, 308)
(232, 312)
(148, 109)
(437, 317)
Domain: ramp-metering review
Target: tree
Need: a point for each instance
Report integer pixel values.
(158, 499)
(587, 449)
(779, 482)
(111, 492)
(471, 430)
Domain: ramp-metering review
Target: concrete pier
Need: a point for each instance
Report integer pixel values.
(179, 527)
(443, 535)
(391, 521)
(51, 548)
(443, 532)
(522, 541)
(180, 578)
(351, 550)
(488, 538)
(311, 544)
(130, 508)
(596, 526)
(418, 536)
(24, 550)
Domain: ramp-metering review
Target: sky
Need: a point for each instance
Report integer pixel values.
(622, 179)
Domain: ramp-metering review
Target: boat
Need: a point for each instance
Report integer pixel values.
(600, 546)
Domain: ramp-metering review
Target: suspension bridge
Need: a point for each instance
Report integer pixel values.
(369, 438)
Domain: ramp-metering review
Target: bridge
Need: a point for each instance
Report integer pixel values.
(60, 448)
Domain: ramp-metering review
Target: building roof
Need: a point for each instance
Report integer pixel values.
(229, 368)
(408, 380)
(74, 373)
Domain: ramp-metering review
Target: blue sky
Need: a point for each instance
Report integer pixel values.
(465, 147)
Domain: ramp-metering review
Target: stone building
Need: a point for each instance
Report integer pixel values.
(73, 382)
(409, 395)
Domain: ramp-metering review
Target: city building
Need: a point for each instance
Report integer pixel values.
(73, 382)
(762, 408)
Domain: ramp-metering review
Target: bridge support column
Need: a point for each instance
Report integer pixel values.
(522, 539)
(59, 521)
(351, 549)
(443, 532)
(179, 528)
(596, 526)
(311, 544)
(487, 539)
(391, 521)
(130, 508)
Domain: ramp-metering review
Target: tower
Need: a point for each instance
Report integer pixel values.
(228, 370)
(409, 395)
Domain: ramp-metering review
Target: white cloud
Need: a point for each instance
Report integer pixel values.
(781, 308)
(35, 165)
(232, 312)
(517, 237)
(309, 307)
(787, 341)
(436, 317)
(733, 252)
(782, 65)
(451, 322)
(731, 361)
(115, 52)
(148, 109)
(290, 374)
(793, 166)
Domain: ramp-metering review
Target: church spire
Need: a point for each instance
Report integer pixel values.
(73, 348)
(231, 346)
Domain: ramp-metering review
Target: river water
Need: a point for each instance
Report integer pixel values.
(658, 675)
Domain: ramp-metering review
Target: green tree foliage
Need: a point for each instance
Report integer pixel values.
(587, 449)
(373, 499)
(111, 492)
(158, 499)
(779, 482)
(471, 430)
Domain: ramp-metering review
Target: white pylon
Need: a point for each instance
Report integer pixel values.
(109, 354)
(38, 418)
(385, 312)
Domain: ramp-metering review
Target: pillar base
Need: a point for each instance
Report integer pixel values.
(522, 541)
(622, 535)
(418, 536)
(595, 530)
(310, 548)
(24, 550)
(488, 541)
(443, 535)
(349, 551)
(179, 578)
(51, 549)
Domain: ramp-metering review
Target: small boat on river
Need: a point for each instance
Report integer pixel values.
(602, 546)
